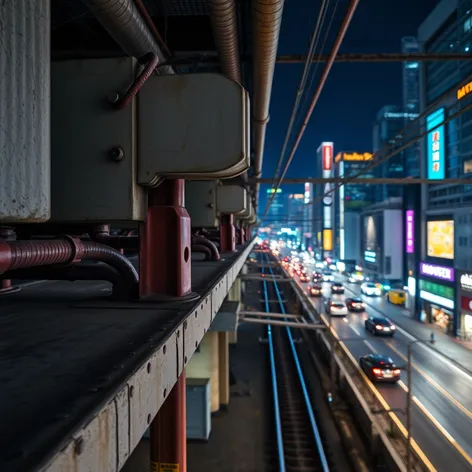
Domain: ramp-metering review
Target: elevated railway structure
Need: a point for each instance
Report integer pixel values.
(126, 175)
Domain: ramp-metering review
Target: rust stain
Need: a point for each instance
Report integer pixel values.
(103, 439)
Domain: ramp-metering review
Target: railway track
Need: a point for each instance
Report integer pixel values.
(299, 444)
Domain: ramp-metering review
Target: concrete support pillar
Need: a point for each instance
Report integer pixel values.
(204, 364)
(215, 372)
(223, 368)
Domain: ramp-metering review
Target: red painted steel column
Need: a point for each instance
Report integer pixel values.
(165, 241)
(227, 234)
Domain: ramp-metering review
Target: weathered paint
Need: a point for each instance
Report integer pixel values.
(129, 411)
(24, 110)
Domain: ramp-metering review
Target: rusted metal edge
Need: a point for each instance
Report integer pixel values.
(105, 441)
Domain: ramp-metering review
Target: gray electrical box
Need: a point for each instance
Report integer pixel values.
(200, 202)
(89, 181)
(198, 409)
(231, 199)
(194, 126)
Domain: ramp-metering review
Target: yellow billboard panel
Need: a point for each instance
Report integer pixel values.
(327, 239)
(358, 156)
(463, 91)
(441, 239)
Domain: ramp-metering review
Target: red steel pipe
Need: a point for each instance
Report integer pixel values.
(101, 234)
(200, 248)
(201, 240)
(68, 250)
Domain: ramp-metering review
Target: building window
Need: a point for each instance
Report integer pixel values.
(388, 264)
(467, 24)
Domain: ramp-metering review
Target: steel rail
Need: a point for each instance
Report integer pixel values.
(273, 376)
(306, 396)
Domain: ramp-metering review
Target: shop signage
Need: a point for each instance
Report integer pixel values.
(466, 303)
(463, 91)
(466, 282)
(327, 155)
(438, 272)
(410, 232)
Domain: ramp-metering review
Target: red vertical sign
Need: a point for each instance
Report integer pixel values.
(327, 151)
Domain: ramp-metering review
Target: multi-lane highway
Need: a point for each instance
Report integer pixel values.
(442, 392)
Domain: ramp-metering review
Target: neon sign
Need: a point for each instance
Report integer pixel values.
(435, 145)
(327, 154)
(465, 90)
(410, 232)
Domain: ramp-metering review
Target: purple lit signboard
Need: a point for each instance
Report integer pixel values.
(437, 272)
(410, 231)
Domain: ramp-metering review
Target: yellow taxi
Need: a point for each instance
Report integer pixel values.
(396, 297)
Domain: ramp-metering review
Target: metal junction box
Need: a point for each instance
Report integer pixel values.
(247, 213)
(194, 126)
(89, 181)
(191, 126)
(231, 199)
(200, 202)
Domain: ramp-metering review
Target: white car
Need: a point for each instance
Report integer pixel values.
(370, 289)
(328, 277)
(337, 309)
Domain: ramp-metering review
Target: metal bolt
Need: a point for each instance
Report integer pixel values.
(113, 97)
(211, 205)
(117, 154)
(79, 446)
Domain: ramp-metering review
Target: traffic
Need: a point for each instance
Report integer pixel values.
(363, 314)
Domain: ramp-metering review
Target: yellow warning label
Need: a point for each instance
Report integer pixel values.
(154, 467)
(168, 467)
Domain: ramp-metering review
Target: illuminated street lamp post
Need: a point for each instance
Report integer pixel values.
(409, 397)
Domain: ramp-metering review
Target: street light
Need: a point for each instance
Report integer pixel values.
(409, 397)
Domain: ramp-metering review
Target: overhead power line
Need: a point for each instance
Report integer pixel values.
(302, 86)
(185, 59)
(369, 180)
(324, 75)
(379, 57)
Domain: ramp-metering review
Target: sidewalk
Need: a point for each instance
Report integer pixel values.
(458, 352)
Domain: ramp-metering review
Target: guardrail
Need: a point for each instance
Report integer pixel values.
(386, 427)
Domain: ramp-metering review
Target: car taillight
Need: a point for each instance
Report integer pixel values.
(377, 371)
(396, 371)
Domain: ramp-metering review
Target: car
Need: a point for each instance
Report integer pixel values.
(315, 290)
(380, 368)
(336, 308)
(355, 304)
(304, 278)
(355, 278)
(337, 287)
(328, 276)
(378, 325)
(370, 289)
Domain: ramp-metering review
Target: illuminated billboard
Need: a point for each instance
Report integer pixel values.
(273, 190)
(440, 237)
(327, 239)
(463, 91)
(435, 145)
(354, 156)
(327, 156)
(410, 231)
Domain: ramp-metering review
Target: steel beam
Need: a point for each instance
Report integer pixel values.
(165, 272)
(288, 324)
(244, 314)
(374, 180)
(227, 234)
(189, 58)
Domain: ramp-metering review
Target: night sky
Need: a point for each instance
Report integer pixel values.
(353, 94)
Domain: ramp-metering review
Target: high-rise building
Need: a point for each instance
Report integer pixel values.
(350, 200)
(411, 102)
(323, 201)
(387, 137)
(445, 217)
(295, 210)
(275, 215)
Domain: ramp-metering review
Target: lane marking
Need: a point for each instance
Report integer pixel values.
(377, 394)
(372, 348)
(355, 329)
(345, 320)
(433, 382)
(437, 354)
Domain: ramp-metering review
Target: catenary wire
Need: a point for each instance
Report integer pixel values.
(324, 75)
(302, 86)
